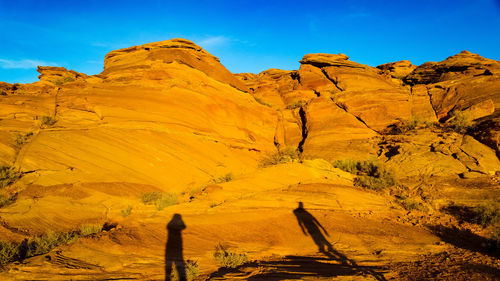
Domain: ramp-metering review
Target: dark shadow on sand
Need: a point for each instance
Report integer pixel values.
(173, 252)
(330, 263)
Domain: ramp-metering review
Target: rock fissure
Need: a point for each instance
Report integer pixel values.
(304, 130)
(331, 80)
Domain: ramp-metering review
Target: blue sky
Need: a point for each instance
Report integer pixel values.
(248, 36)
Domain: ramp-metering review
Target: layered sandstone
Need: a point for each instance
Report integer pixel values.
(169, 117)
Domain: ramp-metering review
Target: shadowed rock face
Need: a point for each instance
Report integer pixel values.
(169, 117)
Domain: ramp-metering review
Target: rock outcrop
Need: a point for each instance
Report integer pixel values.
(167, 119)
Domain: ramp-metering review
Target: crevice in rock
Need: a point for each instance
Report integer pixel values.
(430, 100)
(331, 80)
(303, 121)
(295, 76)
(317, 93)
(359, 119)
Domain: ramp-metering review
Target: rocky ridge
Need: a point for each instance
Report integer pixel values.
(169, 117)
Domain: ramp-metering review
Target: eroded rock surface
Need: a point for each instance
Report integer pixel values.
(169, 118)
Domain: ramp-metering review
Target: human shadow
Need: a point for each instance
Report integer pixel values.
(330, 264)
(173, 250)
(310, 226)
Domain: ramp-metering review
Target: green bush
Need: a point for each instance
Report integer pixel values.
(8, 175)
(43, 244)
(370, 174)
(48, 120)
(8, 252)
(410, 204)
(126, 212)
(461, 122)
(62, 80)
(347, 165)
(487, 214)
(167, 199)
(287, 155)
(228, 259)
(192, 271)
(150, 197)
(226, 178)
(90, 229)
(39, 245)
(6, 200)
(21, 139)
(159, 199)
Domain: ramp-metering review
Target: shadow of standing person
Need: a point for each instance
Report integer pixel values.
(173, 251)
(311, 226)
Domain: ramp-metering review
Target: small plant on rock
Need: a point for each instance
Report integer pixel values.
(287, 155)
(227, 259)
(6, 200)
(487, 214)
(126, 212)
(8, 175)
(62, 80)
(90, 229)
(370, 174)
(21, 139)
(159, 199)
(461, 122)
(47, 120)
(226, 178)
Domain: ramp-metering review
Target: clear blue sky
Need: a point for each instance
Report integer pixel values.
(248, 36)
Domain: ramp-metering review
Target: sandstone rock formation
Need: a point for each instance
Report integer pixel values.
(168, 118)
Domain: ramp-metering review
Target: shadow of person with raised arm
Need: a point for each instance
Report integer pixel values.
(311, 226)
(173, 251)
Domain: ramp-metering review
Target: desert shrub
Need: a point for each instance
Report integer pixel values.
(62, 80)
(370, 174)
(44, 243)
(6, 200)
(410, 204)
(2, 93)
(8, 252)
(21, 139)
(461, 122)
(47, 120)
(90, 229)
(159, 199)
(487, 214)
(347, 165)
(126, 212)
(192, 271)
(150, 197)
(167, 199)
(375, 183)
(8, 175)
(227, 259)
(287, 155)
(295, 105)
(225, 178)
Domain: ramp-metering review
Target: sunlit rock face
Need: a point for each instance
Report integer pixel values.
(244, 160)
